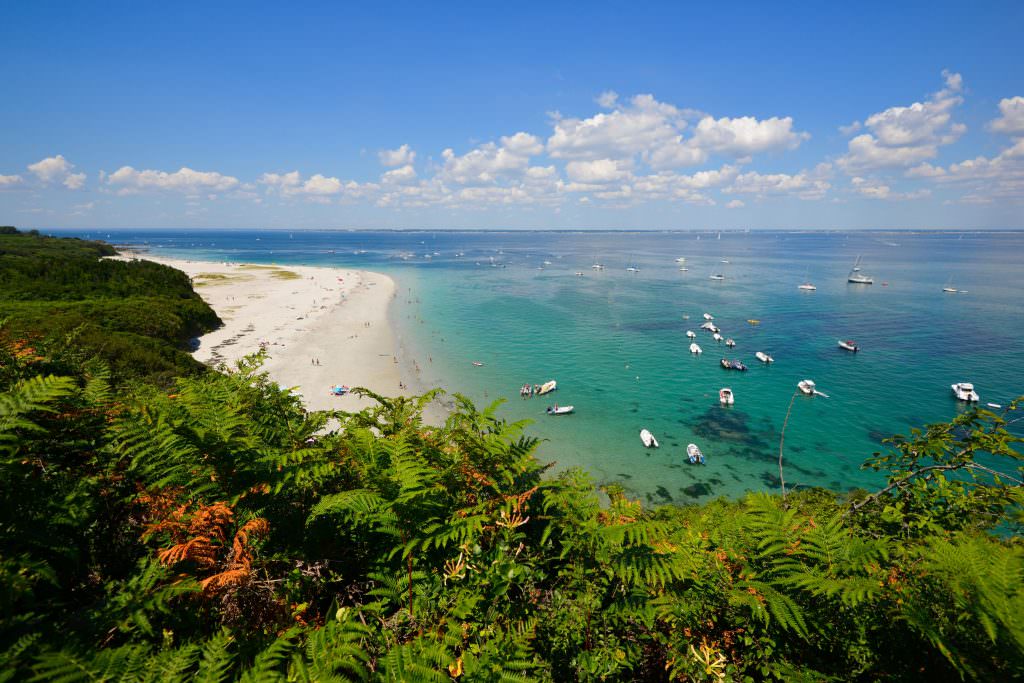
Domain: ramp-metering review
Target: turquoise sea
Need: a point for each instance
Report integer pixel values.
(615, 340)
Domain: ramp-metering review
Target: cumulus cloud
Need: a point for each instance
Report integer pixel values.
(1011, 116)
(7, 181)
(984, 179)
(489, 162)
(129, 180)
(735, 204)
(57, 169)
(875, 189)
(404, 174)
(641, 126)
(316, 188)
(746, 135)
(597, 171)
(402, 156)
(802, 185)
(905, 135)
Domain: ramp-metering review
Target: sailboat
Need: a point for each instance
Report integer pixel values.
(857, 277)
(949, 288)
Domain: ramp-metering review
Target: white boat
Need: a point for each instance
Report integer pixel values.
(808, 287)
(597, 266)
(857, 277)
(579, 273)
(949, 288)
(547, 387)
(632, 269)
(717, 276)
(708, 316)
(807, 386)
(695, 349)
(725, 396)
(477, 363)
(730, 343)
(694, 454)
(717, 337)
(648, 439)
(849, 345)
(764, 357)
(965, 392)
(707, 326)
(681, 259)
(559, 410)
(691, 334)
(684, 269)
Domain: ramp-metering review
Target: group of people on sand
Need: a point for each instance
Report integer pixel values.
(529, 391)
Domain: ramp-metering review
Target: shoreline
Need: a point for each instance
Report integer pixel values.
(320, 326)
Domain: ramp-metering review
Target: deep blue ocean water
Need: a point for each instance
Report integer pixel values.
(616, 343)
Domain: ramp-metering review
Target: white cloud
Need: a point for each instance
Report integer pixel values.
(641, 126)
(57, 169)
(907, 135)
(402, 156)
(874, 189)
(405, 174)
(130, 180)
(735, 204)
(803, 185)
(850, 129)
(489, 162)
(318, 187)
(7, 181)
(608, 99)
(746, 135)
(74, 181)
(597, 171)
(1011, 119)
(984, 179)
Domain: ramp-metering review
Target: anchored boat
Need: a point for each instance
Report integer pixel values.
(648, 439)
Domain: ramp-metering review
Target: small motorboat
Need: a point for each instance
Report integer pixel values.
(694, 454)
(725, 396)
(709, 326)
(808, 387)
(964, 391)
(849, 345)
(579, 273)
(597, 266)
(648, 439)
(547, 387)
(726, 364)
(559, 410)
(717, 276)
(737, 365)
(477, 363)
(754, 321)
(730, 343)
(708, 316)
(696, 349)
(807, 287)
(681, 259)
(764, 357)
(717, 337)
(691, 334)
(994, 405)
(684, 269)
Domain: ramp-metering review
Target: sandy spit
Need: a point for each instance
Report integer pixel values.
(320, 326)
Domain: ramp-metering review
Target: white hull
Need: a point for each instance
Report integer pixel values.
(560, 410)
(764, 357)
(648, 439)
(696, 349)
(691, 334)
(547, 387)
(807, 286)
(807, 386)
(964, 391)
(725, 397)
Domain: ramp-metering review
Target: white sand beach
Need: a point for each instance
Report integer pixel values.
(320, 326)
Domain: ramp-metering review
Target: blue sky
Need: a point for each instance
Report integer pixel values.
(466, 115)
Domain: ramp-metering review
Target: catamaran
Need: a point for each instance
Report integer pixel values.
(857, 277)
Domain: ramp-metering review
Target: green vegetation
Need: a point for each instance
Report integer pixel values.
(222, 532)
(71, 304)
(218, 531)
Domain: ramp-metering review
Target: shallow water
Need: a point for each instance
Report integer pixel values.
(616, 343)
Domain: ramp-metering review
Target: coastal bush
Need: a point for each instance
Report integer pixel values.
(137, 316)
(219, 531)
